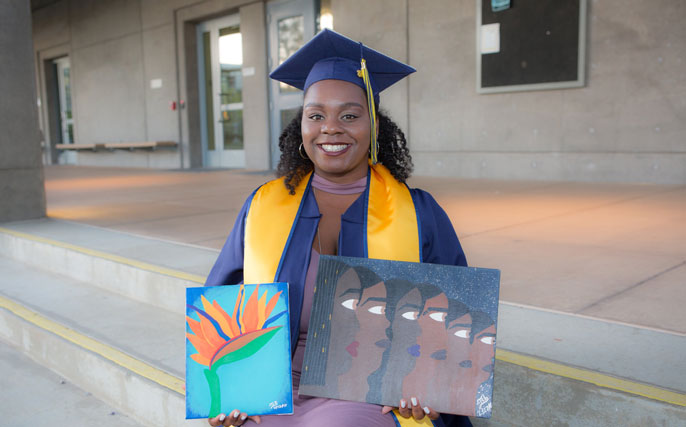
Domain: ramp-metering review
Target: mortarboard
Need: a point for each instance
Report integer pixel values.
(332, 56)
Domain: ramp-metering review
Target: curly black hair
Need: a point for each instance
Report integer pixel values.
(393, 151)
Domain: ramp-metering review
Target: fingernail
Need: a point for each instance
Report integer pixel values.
(243, 417)
(222, 417)
(414, 401)
(403, 404)
(236, 414)
(426, 410)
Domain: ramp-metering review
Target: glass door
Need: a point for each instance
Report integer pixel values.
(291, 24)
(220, 59)
(63, 71)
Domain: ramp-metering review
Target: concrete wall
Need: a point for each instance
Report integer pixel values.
(116, 49)
(627, 124)
(381, 26)
(22, 195)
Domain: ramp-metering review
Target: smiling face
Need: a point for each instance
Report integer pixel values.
(336, 130)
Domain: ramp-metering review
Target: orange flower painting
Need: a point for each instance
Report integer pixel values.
(221, 338)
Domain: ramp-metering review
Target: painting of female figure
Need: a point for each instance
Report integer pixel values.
(387, 330)
(358, 301)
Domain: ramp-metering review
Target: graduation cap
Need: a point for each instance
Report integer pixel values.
(332, 56)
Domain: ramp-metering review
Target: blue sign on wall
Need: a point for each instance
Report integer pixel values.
(498, 5)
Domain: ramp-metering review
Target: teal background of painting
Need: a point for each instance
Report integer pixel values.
(251, 384)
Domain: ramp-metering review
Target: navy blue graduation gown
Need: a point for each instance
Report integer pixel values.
(439, 245)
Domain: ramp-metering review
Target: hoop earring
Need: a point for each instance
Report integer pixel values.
(303, 155)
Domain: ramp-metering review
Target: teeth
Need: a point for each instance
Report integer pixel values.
(334, 148)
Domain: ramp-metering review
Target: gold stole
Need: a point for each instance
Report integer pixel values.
(392, 230)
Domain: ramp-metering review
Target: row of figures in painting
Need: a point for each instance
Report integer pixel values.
(382, 339)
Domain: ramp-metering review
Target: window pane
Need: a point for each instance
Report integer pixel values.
(291, 34)
(232, 85)
(67, 92)
(287, 116)
(231, 90)
(230, 46)
(70, 132)
(233, 129)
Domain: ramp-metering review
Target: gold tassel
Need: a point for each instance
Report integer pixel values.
(364, 73)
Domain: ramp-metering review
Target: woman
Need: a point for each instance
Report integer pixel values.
(340, 191)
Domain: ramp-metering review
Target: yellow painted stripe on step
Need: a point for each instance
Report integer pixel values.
(530, 362)
(110, 353)
(111, 257)
(592, 377)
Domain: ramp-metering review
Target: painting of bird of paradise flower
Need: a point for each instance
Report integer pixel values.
(238, 352)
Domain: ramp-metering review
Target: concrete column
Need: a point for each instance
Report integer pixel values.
(22, 193)
(255, 87)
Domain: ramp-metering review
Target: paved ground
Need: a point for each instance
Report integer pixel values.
(53, 400)
(611, 251)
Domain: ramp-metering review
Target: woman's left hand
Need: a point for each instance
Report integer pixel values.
(412, 408)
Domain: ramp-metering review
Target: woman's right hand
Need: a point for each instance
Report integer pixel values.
(235, 418)
(412, 408)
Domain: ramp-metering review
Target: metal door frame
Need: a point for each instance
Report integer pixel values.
(276, 11)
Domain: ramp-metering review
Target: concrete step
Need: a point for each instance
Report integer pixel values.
(552, 368)
(126, 353)
(31, 393)
(545, 394)
(643, 355)
(148, 270)
(139, 330)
